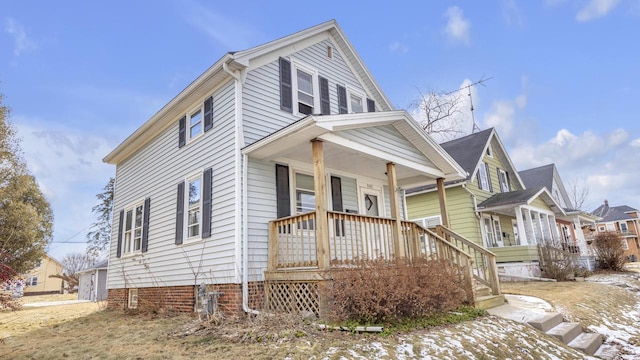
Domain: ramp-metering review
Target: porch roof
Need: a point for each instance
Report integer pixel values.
(506, 202)
(359, 157)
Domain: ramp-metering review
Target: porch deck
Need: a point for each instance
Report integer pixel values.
(300, 260)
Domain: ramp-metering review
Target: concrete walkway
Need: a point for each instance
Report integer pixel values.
(522, 308)
(55, 303)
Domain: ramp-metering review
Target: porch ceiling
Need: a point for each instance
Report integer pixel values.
(342, 154)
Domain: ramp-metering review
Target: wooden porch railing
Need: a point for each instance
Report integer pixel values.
(485, 269)
(353, 238)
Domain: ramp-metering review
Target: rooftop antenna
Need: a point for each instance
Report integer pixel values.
(468, 87)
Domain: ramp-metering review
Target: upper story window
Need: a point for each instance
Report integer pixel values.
(195, 123)
(484, 180)
(489, 151)
(503, 178)
(305, 92)
(357, 103)
(623, 226)
(39, 263)
(33, 281)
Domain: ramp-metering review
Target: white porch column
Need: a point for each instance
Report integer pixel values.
(522, 233)
(554, 229)
(531, 233)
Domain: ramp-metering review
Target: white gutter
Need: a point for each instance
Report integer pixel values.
(242, 222)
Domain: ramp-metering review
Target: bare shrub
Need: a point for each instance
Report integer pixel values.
(556, 263)
(609, 251)
(381, 291)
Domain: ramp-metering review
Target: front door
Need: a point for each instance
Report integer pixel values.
(491, 231)
(376, 241)
(371, 201)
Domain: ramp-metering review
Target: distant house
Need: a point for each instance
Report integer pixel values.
(626, 221)
(92, 282)
(491, 206)
(38, 281)
(575, 227)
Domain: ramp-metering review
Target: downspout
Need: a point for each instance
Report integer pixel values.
(475, 200)
(241, 191)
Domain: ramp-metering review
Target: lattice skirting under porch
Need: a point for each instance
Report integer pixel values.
(292, 296)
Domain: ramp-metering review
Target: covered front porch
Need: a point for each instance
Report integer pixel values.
(340, 200)
(515, 224)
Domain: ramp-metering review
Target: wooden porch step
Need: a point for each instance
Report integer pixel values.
(489, 301)
(481, 290)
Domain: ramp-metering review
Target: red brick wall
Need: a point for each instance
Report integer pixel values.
(182, 298)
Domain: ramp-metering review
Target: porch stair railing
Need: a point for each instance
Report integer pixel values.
(485, 269)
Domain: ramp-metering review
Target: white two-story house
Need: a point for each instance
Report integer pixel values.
(276, 163)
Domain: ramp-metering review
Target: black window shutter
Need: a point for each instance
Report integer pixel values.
(286, 95)
(182, 131)
(145, 225)
(506, 178)
(180, 214)
(283, 197)
(336, 193)
(325, 105)
(342, 100)
(208, 113)
(120, 225)
(499, 179)
(371, 105)
(207, 194)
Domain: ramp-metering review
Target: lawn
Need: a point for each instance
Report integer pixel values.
(87, 331)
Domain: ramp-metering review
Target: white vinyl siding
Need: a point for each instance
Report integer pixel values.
(154, 171)
(261, 97)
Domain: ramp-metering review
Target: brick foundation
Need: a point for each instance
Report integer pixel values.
(182, 298)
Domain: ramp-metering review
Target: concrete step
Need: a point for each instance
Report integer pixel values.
(566, 331)
(588, 343)
(490, 301)
(481, 290)
(547, 322)
(607, 352)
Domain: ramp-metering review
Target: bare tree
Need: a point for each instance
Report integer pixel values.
(73, 263)
(442, 113)
(578, 192)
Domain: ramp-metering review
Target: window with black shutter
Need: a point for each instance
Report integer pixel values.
(371, 105)
(145, 225)
(207, 193)
(208, 114)
(325, 105)
(286, 94)
(343, 107)
(180, 214)
(283, 195)
(182, 131)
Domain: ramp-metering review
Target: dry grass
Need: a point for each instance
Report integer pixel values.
(51, 297)
(84, 331)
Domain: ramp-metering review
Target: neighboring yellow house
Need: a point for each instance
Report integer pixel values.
(492, 207)
(38, 280)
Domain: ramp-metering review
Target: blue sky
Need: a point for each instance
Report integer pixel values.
(81, 76)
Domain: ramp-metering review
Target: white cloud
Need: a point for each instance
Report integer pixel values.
(503, 113)
(398, 47)
(232, 33)
(635, 143)
(457, 28)
(22, 42)
(596, 9)
(512, 14)
(68, 167)
(601, 160)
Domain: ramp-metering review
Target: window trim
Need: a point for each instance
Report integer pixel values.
(30, 283)
(363, 99)
(483, 169)
(489, 151)
(193, 177)
(294, 190)
(132, 301)
(315, 86)
(502, 176)
(424, 221)
(129, 250)
(189, 115)
(621, 223)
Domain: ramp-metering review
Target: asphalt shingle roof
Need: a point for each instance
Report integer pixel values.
(613, 213)
(538, 177)
(509, 198)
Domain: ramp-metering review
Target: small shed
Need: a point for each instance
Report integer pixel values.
(92, 282)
